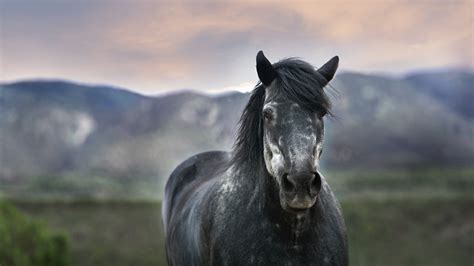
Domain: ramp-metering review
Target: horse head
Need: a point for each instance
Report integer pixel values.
(293, 128)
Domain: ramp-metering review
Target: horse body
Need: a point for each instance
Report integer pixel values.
(222, 210)
(199, 231)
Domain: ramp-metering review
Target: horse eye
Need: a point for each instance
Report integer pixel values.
(267, 115)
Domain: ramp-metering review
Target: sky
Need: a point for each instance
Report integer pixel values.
(157, 46)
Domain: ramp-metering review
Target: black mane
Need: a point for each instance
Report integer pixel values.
(298, 81)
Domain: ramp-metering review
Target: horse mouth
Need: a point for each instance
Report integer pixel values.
(297, 203)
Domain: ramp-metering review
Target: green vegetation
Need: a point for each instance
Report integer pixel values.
(24, 241)
(73, 187)
(410, 217)
(381, 231)
(419, 183)
(410, 231)
(106, 233)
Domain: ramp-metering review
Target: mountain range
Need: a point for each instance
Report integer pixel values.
(60, 130)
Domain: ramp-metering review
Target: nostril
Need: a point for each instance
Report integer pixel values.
(287, 184)
(316, 183)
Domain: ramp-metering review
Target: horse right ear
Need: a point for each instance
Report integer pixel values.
(329, 69)
(266, 72)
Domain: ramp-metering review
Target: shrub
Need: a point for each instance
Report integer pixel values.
(24, 241)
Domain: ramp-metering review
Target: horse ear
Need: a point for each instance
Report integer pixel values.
(329, 69)
(266, 72)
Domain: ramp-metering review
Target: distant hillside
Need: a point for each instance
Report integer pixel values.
(393, 122)
(455, 89)
(57, 132)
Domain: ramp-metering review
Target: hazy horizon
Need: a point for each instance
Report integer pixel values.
(243, 88)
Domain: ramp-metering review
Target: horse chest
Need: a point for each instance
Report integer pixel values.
(267, 244)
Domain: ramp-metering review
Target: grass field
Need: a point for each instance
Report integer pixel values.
(113, 233)
(394, 217)
(398, 231)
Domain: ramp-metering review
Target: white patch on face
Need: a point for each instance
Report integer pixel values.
(273, 159)
(319, 146)
(299, 154)
(276, 163)
(271, 104)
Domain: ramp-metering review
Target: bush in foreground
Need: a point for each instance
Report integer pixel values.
(24, 241)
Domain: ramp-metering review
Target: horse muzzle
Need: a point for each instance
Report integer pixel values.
(299, 192)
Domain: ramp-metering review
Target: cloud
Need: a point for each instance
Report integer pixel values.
(152, 46)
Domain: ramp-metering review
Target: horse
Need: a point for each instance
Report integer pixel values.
(265, 202)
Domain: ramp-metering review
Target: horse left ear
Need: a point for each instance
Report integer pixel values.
(266, 72)
(329, 69)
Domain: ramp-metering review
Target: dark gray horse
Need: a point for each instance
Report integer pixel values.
(266, 203)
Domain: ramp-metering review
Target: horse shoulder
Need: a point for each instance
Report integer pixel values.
(185, 203)
(184, 174)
